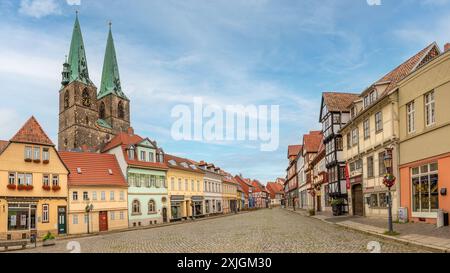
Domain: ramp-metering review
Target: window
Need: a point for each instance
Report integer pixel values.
(143, 156)
(45, 218)
(336, 118)
(355, 137)
(366, 101)
(131, 153)
(75, 219)
(101, 110)
(339, 144)
(430, 115)
(186, 185)
(75, 196)
(151, 206)
(37, 153)
(55, 180)
(373, 97)
(373, 200)
(85, 196)
(120, 110)
(12, 178)
(94, 195)
(382, 199)
(66, 100)
(411, 117)
(122, 196)
(179, 184)
(172, 183)
(425, 188)
(28, 152)
(353, 112)
(198, 185)
(122, 215)
(150, 156)
(45, 154)
(349, 141)
(381, 167)
(28, 179)
(192, 185)
(370, 166)
(136, 208)
(379, 122)
(112, 215)
(103, 196)
(153, 181)
(366, 129)
(111, 196)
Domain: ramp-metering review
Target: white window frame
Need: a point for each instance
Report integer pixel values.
(111, 196)
(430, 109)
(94, 196)
(75, 196)
(421, 213)
(36, 153)
(103, 195)
(378, 121)
(411, 117)
(45, 213)
(366, 126)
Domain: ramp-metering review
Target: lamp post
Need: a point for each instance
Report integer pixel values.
(389, 182)
(89, 208)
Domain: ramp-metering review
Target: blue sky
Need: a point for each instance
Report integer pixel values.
(228, 52)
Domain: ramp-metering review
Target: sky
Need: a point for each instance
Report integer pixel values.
(252, 52)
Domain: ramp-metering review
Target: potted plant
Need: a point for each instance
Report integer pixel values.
(337, 206)
(11, 186)
(29, 187)
(49, 239)
(56, 188)
(22, 187)
(312, 212)
(28, 160)
(46, 188)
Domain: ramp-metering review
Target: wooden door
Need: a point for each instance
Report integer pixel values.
(358, 200)
(62, 220)
(165, 215)
(319, 204)
(103, 220)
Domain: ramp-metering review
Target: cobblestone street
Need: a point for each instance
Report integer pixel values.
(275, 230)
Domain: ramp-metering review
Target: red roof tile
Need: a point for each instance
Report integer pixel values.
(32, 132)
(3, 145)
(179, 166)
(274, 188)
(293, 150)
(122, 139)
(338, 102)
(94, 169)
(311, 141)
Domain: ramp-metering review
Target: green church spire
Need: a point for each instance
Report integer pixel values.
(110, 76)
(77, 56)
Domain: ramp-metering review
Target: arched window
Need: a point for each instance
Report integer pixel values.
(120, 110)
(136, 206)
(151, 206)
(101, 111)
(66, 100)
(86, 98)
(87, 120)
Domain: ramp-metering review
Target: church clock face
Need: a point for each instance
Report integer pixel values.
(87, 101)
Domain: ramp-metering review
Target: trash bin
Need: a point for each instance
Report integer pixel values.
(445, 216)
(442, 218)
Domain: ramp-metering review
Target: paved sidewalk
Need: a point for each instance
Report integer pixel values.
(420, 234)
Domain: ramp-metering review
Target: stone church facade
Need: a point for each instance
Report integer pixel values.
(88, 117)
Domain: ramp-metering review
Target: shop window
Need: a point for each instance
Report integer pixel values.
(425, 192)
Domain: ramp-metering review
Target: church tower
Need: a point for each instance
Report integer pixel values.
(85, 117)
(114, 106)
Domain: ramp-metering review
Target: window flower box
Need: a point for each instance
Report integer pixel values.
(28, 160)
(46, 161)
(46, 188)
(37, 161)
(56, 188)
(11, 186)
(29, 187)
(22, 187)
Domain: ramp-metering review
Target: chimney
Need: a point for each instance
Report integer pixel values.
(446, 47)
(130, 131)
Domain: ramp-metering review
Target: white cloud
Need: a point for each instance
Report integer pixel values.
(73, 2)
(39, 8)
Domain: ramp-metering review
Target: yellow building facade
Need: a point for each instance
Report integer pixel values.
(33, 191)
(185, 186)
(229, 194)
(98, 199)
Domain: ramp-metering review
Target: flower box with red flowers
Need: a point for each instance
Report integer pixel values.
(22, 187)
(56, 188)
(11, 186)
(29, 187)
(37, 161)
(46, 188)
(45, 161)
(28, 160)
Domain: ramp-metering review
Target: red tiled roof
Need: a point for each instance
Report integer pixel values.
(338, 102)
(293, 150)
(122, 139)
(274, 188)
(3, 145)
(94, 169)
(178, 161)
(32, 132)
(311, 141)
(401, 71)
(227, 177)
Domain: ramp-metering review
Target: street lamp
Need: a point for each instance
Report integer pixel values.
(389, 182)
(88, 209)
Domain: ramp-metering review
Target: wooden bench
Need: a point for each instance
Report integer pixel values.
(7, 244)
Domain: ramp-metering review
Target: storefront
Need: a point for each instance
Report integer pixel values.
(197, 203)
(176, 202)
(22, 217)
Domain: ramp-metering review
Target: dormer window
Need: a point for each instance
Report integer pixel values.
(143, 158)
(353, 112)
(150, 157)
(131, 153)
